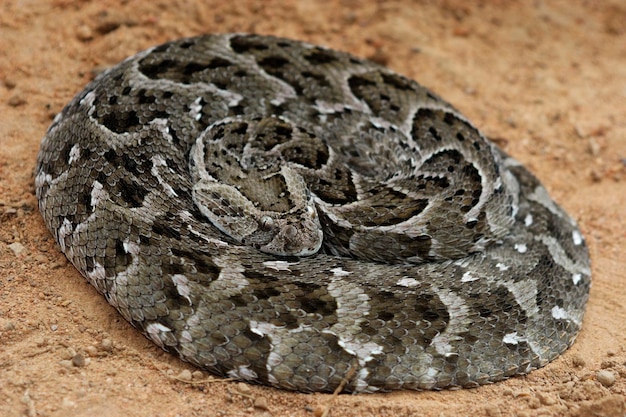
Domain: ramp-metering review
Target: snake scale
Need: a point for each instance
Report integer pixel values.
(290, 215)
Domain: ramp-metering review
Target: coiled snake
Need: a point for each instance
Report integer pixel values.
(283, 213)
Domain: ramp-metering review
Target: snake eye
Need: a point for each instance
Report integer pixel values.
(267, 223)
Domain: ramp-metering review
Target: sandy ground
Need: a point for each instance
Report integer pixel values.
(545, 79)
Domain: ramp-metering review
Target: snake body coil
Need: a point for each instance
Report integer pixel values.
(283, 213)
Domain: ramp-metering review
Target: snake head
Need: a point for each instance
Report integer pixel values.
(298, 234)
(293, 231)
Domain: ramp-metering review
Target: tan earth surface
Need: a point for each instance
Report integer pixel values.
(544, 79)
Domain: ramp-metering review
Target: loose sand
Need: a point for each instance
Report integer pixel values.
(545, 79)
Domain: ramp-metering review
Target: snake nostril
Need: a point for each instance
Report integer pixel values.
(291, 232)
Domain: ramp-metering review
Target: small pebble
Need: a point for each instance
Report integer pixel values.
(522, 394)
(7, 325)
(546, 399)
(30, 404)
(261, 403)
(78, 360)
(84, 33)
(606, 378)
(66, 363)
(106, 345)
(243, 388)
(68, 354)
(59, 263)
(607, 364)
(319, 410)
(197, 375)
(17, 248)
(41, 258)
(16, 100)
(9, 83)
(184, 375)
(92, 350)
(578, 361)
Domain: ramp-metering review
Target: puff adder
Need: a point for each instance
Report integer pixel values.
(290, 215)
